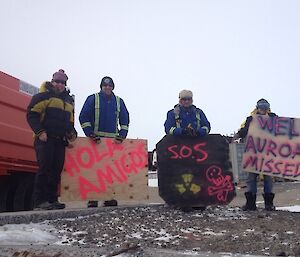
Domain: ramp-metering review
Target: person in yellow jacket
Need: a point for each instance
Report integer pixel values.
(262, 108)
(50, 115)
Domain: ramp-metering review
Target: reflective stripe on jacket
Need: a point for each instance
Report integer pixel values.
(179, 118)
(104, 116)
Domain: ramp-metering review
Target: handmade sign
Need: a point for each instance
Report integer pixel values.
(273, 147)
(194, 171)
(105, 171)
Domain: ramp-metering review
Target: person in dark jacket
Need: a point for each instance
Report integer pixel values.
(50, 115)
(186, 118)
(104, 115)
(262, 108)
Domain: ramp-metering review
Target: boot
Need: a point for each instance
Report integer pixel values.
(57, 205)
(250, 202)
(110, 203)
(92, 204)
(269, 206)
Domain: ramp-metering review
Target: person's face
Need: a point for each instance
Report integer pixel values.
(186, 101)
(107, 89)
(262, 111)
(59, 85)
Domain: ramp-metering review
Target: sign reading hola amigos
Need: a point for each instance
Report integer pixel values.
(105, 171)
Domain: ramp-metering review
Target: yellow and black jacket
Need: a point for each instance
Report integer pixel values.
(51, 112)
(243, 131)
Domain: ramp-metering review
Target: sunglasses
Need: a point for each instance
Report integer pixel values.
(186, 99)
(107, 85)
(60, 81)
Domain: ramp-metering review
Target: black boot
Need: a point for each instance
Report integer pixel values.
(269, 206)
(250, 202)
(110, 203)
(92, 204)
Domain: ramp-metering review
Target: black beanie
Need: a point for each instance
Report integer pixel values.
(107, 81)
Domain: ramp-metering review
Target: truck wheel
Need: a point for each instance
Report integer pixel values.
(6, 194)
(23, 195)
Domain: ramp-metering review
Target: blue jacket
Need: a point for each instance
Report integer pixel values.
(112, 121)
(179, 118)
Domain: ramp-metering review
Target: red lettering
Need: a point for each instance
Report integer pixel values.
(187, 150)
(297, 170)
(121, 172)
(260, 147)
(198, 149)
(282, 151)
(296, 151)
(277, 168)
(175, 154)
(98, 156)
(71, 164)
(107, 176)
(287, 169)
(137, 160)
(126, 165)
(268, 165)
(293, 133)
(252, 161)
(85, 187)
(281, 126)
(261, 164)
(265, 123)
(250, 145)
(85, 160)
(271, 147)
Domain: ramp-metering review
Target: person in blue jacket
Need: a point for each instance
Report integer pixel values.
(186, 118)
(104, 115)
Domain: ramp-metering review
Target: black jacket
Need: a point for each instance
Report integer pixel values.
(51, 112)
(243, 131)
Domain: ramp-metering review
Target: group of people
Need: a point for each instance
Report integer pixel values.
(50, 114)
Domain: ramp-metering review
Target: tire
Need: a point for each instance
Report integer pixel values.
(6, 194)
(23, 195)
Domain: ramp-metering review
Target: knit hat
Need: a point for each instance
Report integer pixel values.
(107, 81)
(263, 104)
(185, 93)
(60, 75)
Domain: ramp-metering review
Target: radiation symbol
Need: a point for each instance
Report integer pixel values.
(187, 184)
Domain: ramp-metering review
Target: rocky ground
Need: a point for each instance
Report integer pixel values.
(157, 230)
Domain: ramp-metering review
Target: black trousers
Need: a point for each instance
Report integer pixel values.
(50, 156)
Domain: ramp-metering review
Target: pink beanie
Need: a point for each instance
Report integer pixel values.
(60, 75)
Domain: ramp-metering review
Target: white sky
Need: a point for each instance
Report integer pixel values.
(229, 53)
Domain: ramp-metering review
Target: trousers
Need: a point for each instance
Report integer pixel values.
(50, 156)
(252, 183)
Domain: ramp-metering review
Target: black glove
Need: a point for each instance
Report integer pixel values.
(71, 136)
(119, 139)
(184, 132)
(95, 138)
(191, 131)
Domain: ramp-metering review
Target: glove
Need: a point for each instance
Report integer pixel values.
(191, 131)
(202, 132)
(185, 132)
(118, 139)
(95, 138)
(71, 136)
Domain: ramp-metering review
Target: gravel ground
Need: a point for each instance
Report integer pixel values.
(157, 230)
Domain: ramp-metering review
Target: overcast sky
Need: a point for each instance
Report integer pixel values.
(229, 53)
